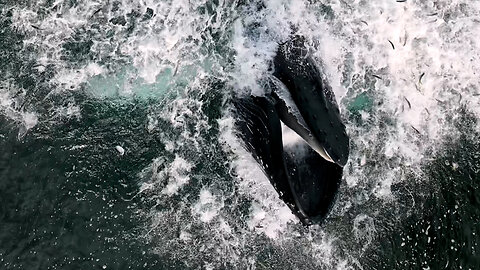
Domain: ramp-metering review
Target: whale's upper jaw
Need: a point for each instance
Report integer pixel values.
(290, 115)
(313, 97)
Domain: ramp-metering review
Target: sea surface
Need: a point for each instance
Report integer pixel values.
(118, 148)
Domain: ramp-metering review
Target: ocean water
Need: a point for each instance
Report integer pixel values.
(118, 148)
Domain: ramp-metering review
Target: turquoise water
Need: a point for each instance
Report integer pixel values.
(117, 149)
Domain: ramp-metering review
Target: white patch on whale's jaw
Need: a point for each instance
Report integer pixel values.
(294, 128)
(289, 137)
(322, 152)
(292, 139)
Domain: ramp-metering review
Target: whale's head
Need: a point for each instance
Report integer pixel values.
(306, 171)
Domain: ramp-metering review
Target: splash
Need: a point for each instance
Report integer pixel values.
(400, 71)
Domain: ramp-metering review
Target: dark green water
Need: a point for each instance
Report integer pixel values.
(74, 208)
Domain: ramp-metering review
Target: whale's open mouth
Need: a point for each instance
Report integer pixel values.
(307, 172)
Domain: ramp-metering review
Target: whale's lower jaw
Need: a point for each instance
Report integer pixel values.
(305, 181)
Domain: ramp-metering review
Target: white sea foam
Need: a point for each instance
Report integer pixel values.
(207, 207)
(177, 175)
(11, 107)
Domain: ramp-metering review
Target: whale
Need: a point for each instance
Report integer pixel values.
(298, 99)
